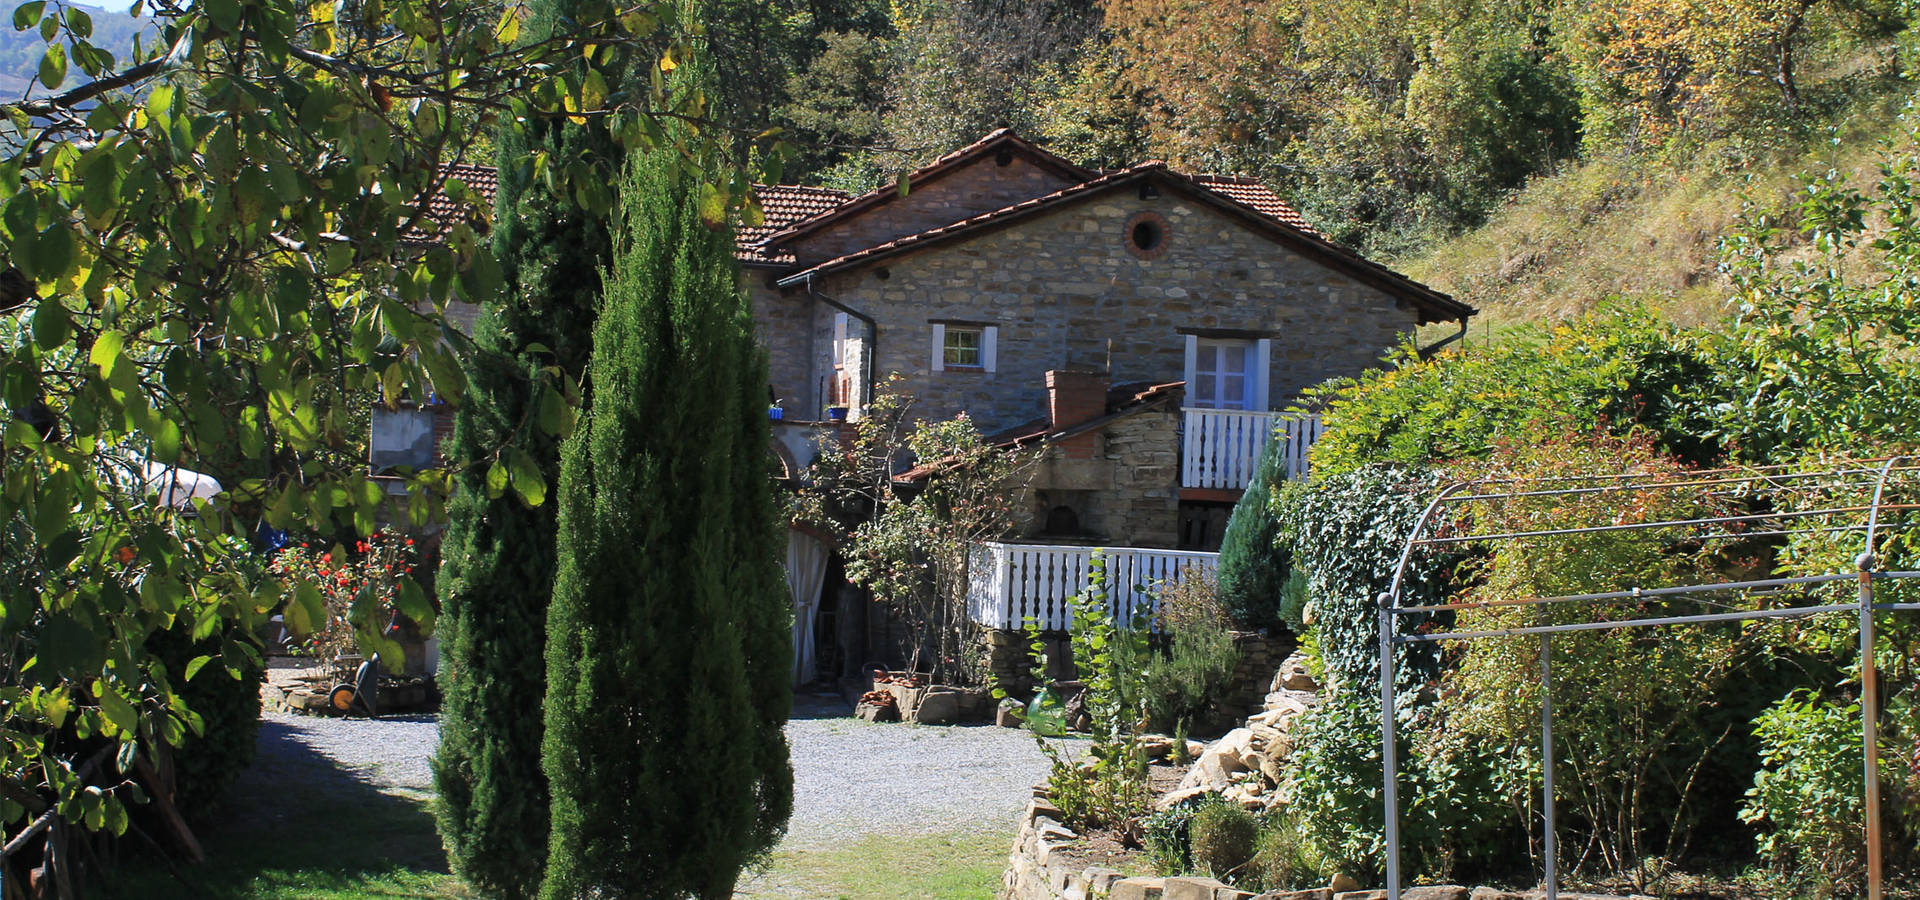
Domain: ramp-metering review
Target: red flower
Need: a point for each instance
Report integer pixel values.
(409, 542)
(125, 554)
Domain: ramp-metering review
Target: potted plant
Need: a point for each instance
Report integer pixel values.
(774, 412)
(836, 414)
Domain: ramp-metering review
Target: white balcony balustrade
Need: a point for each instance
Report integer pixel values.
(1220, 448)
(1012, 583)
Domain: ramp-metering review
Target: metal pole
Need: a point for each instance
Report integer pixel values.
(1870, 727)
(1870, 690)
(1548, 848)
(1389, 752)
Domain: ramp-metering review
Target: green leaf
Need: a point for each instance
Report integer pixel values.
(106, 351)
(53, 66)
(713, 207)
(194, 666)
(116, 708)
(50, 325)
(59, 704)
(116, 816)
(496, 480)
(526, 477)
(306, 610)
(52, 252)
(28, 13)
(413, 604)
(556, 417)
(901, 184)
(593, 90)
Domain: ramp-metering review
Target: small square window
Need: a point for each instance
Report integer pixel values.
(962, 348)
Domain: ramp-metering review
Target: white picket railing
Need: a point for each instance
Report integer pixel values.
(1011, 583)
(1220, 448)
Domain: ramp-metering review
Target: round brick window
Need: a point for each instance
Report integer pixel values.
(1145, 234)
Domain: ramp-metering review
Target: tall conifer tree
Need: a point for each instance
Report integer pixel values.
(669, 637)
(498, 554)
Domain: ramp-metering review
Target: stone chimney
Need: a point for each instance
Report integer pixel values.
(1076, 396)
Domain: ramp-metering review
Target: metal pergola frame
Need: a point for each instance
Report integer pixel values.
(1743, 481)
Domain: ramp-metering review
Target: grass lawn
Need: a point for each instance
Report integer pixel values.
(310, 848)
(305, 844)
(954, 866)
(297, 827)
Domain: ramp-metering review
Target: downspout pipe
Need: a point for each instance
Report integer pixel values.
(1430, 350)
(873, 329)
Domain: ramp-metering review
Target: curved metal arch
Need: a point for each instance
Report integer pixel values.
(1389, 608)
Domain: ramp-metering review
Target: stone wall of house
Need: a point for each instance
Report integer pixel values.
(1125, 492)
(1064, 291)
(980, 187)
(784, 324)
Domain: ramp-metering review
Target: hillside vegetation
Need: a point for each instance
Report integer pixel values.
(1647, 227)
(1391, 124)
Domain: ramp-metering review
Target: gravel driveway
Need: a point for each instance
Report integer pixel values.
(851, 778)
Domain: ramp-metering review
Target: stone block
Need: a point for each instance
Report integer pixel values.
(1138, 889)
(1487, 893)
(1361, 895)
(938, 707)
(1435, 892)
(1042, 806)
(1099, 880)
(1190, 888)
(1313, 894)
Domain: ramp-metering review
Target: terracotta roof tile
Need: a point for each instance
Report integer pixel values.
(783, 204)
(1249, 192)
(443, 211)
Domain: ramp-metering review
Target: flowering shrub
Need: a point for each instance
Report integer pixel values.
(344, 599)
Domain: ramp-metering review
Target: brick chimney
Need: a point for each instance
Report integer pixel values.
(1076, 396)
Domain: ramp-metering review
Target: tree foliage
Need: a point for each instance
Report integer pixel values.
(909, 541)
(217, 249)
(1253, 561)
(668, 641)
(530, 348)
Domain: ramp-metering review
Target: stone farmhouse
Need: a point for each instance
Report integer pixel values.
(1143, 326)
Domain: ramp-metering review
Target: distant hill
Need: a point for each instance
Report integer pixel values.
(21, 51)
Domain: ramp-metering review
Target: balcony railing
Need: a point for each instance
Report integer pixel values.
(1220, 448)
(1011, 583)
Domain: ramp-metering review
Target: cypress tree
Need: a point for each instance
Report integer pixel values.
(498, 552)
(669, 636)
(1253, 565)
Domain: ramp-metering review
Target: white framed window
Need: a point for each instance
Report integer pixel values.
(1227, 373)
(964, 348)
(839, 339)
